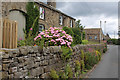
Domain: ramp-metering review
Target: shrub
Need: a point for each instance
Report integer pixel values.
(68, 31)
(68, 71)
(105, 47)
(83, 35)
(32, 13)
(99, 55)
(84, 41)
(82, 55)
(21, 43)
(54, 37)
(66, 53)
(91, 58)
(77, 68)
(77, 36)
(53, 74)
(82, 66)
(62, 75)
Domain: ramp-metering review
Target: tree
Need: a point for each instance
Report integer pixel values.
(79, 25)
(32, 13)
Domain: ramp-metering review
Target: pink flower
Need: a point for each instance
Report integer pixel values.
(58, 39)
(63, 36)
(60, 30)
(42, 33)
(56, 31)
(31, 29)
(56, 35)
(52, 32)
(52, 40)
(35, 38)
(51, 28)
(71, 40)
(69, 46)
(49, 36)
(64, 32)
(46, 32)
(63, 43)
(39, 36)
(68, 43)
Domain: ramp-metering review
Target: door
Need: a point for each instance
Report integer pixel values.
(20, 19)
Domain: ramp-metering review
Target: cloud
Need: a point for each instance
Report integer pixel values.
(90, 14)
(88, 8)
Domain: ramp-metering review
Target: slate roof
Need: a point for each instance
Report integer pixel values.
(52, 8)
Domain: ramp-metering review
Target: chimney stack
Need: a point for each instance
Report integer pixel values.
(51, 3)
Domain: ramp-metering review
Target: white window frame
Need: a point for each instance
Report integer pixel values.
(71, 23)
(61, 20)
(95, 37)
(90, 37)
(42, 15)
(43, 27)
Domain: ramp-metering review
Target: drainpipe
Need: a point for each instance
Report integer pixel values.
(100, 31)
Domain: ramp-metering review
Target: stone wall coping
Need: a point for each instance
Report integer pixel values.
(58, 47)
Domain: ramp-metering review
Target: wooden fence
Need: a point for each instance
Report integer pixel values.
(9, 38)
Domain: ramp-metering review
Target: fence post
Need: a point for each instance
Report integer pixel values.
(9, 34)
(1, 33)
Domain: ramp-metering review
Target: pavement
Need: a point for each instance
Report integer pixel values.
(108, 66)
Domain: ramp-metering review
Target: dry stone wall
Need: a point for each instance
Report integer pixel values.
(35, 62)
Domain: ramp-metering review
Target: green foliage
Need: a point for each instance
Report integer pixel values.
(32, 18)
(27, 42)
(65, 74)
(67, 52)
(81, 27)
(21, 43)
(62, 75)
(76, 33)
(82, 55)
(83, 35)
(32, 13)
(105, 47)
(99, 55)
(68, 71)
(77, 36)
(77, 68)
(68, 31)
(114, 41)
(91, 59)
(82, 66)
(84, 41)
(53, 74)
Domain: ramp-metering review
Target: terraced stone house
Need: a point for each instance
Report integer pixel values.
(50, 18)
(94, 34)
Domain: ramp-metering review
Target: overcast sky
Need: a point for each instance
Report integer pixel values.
(90, 14)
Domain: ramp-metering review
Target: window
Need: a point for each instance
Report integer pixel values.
(71, 23)
(90, 37)
(96, 37)
(41, 28)
(42, 13)
(61, 20)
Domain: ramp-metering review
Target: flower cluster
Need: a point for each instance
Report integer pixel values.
(55, 36)
(92, 51)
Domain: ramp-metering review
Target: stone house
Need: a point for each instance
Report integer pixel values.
(52, 17)
(94, 34)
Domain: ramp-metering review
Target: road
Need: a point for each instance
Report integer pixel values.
(108, 66)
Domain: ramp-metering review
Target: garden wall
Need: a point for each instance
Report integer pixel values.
(31, 62)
